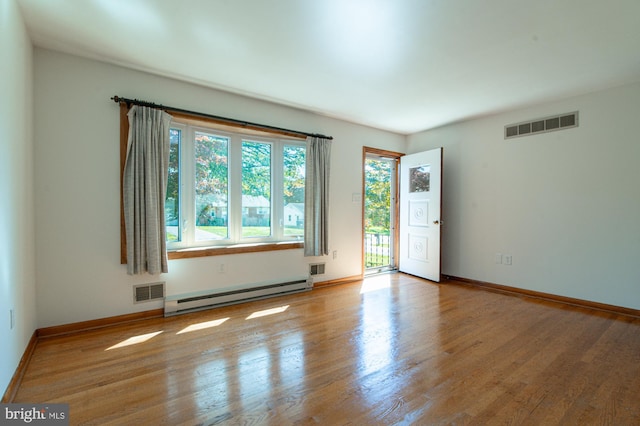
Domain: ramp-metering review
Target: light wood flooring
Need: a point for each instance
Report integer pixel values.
(393, 349)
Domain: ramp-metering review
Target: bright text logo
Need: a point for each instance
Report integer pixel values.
(37, 414)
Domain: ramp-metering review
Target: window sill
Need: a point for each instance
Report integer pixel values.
(235, 249)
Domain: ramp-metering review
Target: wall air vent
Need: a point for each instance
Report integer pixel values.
(542, 125)
(148, 292)
(316, 269)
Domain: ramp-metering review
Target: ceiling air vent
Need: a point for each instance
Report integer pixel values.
(147, 292)
(541, 125)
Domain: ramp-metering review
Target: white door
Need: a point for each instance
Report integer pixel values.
(420, 205)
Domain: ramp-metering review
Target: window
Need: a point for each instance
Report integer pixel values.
(228, 188)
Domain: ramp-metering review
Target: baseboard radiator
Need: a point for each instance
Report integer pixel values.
(184, 303)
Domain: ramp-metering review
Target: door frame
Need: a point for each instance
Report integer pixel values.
(395, 156)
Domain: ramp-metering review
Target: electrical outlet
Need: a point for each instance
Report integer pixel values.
(507, 260)
(12, 319)
(498, 258)
(335, 254)
(222, 268)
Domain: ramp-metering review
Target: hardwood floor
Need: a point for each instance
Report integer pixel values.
(390, 350)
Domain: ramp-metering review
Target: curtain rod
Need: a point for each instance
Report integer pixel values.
(118, 99)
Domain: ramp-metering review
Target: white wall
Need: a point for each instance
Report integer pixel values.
(17, 228)
(79, 274)
(565, 205)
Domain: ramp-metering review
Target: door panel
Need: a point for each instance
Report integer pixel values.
(420, 208)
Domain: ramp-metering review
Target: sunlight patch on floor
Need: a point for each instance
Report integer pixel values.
(375, 283)
(134, 340)
(267, 312)
(203, 325)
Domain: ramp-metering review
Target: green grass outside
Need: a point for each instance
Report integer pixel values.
(218, 231)
(247, 232)
(377, 230)
(374, 261)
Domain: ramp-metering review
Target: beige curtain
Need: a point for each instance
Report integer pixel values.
(144, 190)
(316, 197)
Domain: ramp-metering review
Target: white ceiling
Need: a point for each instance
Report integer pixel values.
(399, 65)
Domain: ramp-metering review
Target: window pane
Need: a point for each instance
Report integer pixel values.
(293, 170)
(212, 186)
(172, 200)
(256, 189)
(419, 178)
